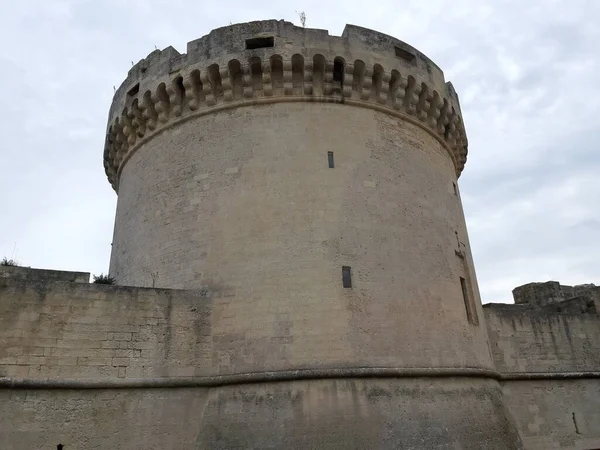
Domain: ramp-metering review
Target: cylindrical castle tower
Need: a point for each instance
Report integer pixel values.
(306, 184)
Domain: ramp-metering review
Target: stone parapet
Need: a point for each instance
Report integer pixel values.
(274, 61)
(27, 273)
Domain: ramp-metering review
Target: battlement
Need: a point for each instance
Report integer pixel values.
(274, 61)
(552, 293)
(551, 328)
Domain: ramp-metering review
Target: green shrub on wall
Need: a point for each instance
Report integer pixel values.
(8, 262)
(103, 279)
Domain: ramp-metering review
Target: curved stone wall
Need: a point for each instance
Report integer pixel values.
(243, 203)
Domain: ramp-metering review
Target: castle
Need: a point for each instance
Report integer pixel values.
(293, 271)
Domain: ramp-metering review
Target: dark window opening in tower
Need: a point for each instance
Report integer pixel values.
(576, 425)
(260, 42)
(338, 75)
(330, 159)
(455, 189)
(179, 89)
(60, 447)
(346, 277)
(134, 90)
(404, 54)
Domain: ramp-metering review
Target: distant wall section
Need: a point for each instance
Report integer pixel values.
(27, 273)
(546, 348)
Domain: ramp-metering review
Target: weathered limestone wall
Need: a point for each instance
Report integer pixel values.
(542, 339)
(556, 414)
(557, 347)
(324, 414)
(86, 331)
(153, 367)
(100, 419)
(63, 330)
(96, 366)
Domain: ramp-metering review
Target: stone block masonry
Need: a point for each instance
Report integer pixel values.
(546, 347)
(27, 273)
(74, 350)
(96, 366)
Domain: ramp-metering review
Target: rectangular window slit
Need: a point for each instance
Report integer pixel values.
(346, 277)
(575, 423)
(330, 159)
(260, 42)
(455, 189)
(404, 54)
(469, 306)
(134, 90)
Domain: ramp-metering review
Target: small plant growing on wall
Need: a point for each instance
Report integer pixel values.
(302, 16)
(8, 262)
(103, 279)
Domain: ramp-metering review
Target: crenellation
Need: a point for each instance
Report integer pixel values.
(543, 332)
(185, 94)
(219, 70)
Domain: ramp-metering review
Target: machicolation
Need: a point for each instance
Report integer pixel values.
(257, 62)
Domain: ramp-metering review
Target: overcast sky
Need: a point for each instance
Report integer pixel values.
(527, 73)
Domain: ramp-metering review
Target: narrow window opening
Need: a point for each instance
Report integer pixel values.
(179, 89)
(575, 423)
(236, 77)
(346, 277)
(260, 42)
(330, 159)
(455, 190)
(134, 90)
(467, 299)
(59, 447)
(338, 75)
(404, 54)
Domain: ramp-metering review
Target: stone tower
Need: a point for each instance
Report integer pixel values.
(306, 186)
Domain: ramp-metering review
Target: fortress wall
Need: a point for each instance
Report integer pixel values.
(56, 330)
(69, 331)
(543, 340)
(556, 414)
(325, 414)
(551, 411)
(123, 342)
(27, 273)
(100, 419)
